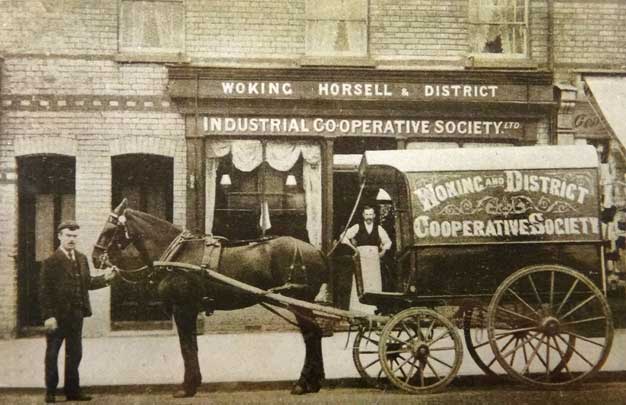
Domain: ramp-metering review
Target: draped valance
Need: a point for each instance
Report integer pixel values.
(247, 155)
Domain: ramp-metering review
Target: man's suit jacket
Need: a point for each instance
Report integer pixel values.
(55, 284)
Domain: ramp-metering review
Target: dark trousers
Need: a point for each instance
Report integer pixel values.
(70, 330)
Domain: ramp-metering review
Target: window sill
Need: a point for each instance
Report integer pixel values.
(139, 57)
(499, 62)
(338, 61)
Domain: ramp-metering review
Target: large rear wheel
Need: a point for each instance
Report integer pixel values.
(549, 326)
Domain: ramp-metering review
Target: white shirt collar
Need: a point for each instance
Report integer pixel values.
(70, 255)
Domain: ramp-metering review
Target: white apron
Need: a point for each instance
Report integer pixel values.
(372, 279)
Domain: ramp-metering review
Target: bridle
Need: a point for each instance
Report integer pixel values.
(136, 239)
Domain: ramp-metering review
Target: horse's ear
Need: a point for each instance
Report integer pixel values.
(120, 208)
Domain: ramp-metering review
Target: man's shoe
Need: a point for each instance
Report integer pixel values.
(79, 397)
(183, 394)
(50, 399)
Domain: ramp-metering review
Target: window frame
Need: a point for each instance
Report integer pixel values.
(315, 56)
(150, 54)
(474, 55)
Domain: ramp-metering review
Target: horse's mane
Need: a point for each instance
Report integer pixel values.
(161, 225)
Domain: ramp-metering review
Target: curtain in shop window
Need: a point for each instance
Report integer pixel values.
(247, 155)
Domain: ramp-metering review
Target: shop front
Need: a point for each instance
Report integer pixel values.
(273, 151)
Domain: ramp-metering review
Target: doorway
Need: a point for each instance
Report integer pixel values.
(46, 189)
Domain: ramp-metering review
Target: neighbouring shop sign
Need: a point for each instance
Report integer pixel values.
(505, 206)
(213, 125)
(357, 90)
(587, 122)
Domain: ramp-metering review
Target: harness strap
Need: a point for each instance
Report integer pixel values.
(296, 259)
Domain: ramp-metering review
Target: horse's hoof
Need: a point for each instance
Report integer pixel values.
(183, 394)
(298, 390)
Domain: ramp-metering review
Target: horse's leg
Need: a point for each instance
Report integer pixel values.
(185, 318)
(312, 373)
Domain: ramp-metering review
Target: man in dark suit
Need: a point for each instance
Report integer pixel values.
(64, 298)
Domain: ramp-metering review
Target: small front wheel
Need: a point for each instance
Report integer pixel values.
(420, 350)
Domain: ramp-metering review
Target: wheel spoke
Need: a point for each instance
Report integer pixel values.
(532, 283)
(421, 368)
(577, 307)
(551, 289)
(512, 331)
(399, 351)
(563, 357)
(597, 318)
(532, 357)
(410, 374)
(507, 354)
(433, 370)
(523, 301)
(440, 361)
(399, 340)
(508, 311)
(368, 339)
(401, 364)
(576, 351)
(407, 330)
(571, 290)
(440, 349)
(586, 339)
(441, 336)
(368, 352)
(371, 364)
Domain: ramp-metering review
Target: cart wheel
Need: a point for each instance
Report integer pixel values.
(549, 326)
(420, 350)
(476, 341)
(479, 346)
(365, 356)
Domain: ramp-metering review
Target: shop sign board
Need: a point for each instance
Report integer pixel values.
(587, 122)
(505, 206)
(362, 90)
(308, 126)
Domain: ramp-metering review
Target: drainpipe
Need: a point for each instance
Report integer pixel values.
(550, 38)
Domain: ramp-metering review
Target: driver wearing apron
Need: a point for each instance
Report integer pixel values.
(372, 242)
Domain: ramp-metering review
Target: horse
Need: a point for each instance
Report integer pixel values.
(294, 268)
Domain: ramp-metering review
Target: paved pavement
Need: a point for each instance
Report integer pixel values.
(224, 358)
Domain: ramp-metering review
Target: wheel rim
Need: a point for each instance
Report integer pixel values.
(420, 350)
(366, 358)
(549, 326)
(477, 342)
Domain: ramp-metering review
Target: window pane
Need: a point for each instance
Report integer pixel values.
(343, 38)
(506, 36)
(152, 25)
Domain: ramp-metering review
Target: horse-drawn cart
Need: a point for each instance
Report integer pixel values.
(503, 243)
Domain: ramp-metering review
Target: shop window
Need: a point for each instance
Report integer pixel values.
(261, 202)
(147, 182)
(46, 190)
(499, 27)
(155, 26)
(336, 28)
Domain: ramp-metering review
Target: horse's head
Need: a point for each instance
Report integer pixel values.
(113, 239)
(132, 239)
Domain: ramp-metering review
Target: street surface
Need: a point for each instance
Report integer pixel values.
(463, 392)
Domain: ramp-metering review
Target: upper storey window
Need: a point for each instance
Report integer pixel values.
(499, 27)
(336, 28)
(155, 26)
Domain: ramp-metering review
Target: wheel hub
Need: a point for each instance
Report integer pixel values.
(550, 326)
(421, 352)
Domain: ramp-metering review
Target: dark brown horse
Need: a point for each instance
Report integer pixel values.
(131, 239)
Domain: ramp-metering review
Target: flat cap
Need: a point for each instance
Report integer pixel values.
(71, 225)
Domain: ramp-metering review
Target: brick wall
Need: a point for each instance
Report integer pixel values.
(418, 28)
(245, 28)
(66, 27)
(590, 33)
